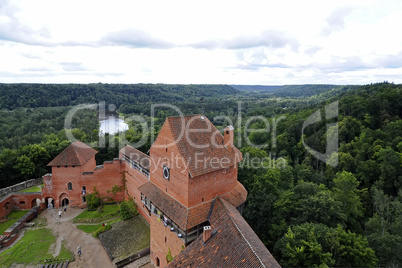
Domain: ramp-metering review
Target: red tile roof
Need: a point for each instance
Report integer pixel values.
(136, 156)
(237, 196)
(187, 218)
(233, 243)
(76, 154)
(201, 144)
(167, 204)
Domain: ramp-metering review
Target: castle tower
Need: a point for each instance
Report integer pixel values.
(65, 185)
(191, 164)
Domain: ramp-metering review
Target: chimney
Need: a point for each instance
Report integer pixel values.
(228, 136)
(207, 233)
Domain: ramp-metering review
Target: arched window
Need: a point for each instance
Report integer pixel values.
(7, 205)
(70, 186)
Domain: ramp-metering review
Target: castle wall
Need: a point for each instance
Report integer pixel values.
(104, 178)
(134, 179)
(208, 186)
(162, 239)
(19, 201)
(60, 179)
(23, 201)
(20, 186)
(6, 205)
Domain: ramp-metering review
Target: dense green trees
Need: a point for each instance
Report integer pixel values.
(344, 216)
(317, 245)
(308, 213)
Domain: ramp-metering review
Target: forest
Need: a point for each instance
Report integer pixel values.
(308, 212)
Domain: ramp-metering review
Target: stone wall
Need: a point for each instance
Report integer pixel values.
(20, 186)
(18, 225)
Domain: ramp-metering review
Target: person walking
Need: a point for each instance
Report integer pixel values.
(79, 250)
(60, 213)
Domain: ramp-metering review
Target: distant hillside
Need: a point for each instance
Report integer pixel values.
(303, 90)
(293, 91)
(55, 95)
(255, 87)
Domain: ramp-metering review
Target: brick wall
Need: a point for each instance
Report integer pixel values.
(60, 179)
(24, 201)
(134, 179)
(188, 191)
(208, 186)
(165, 151)
(19, 201)
(104, 179)
(18, 225)
(161, 240)
(88, 176)
(6, 205)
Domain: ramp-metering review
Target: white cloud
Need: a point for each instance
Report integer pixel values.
(254, 42)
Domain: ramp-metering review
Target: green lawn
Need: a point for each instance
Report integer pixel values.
(109, 211)
(31, 189)
(90, 228)
(32, 249)
(12, 218)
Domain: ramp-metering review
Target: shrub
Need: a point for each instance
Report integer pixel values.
(128, 209)
(169, 256)
(93, 200)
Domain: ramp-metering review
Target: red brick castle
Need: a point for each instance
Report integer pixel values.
(187, 189)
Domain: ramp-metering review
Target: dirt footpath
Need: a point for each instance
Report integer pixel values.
(93, 253)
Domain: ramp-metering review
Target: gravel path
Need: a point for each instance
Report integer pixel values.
(93, 253)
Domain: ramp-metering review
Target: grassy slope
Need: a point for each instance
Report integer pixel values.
(32, 249)
(108, 212)
(32, 189)
(90, 228)
(12, 218)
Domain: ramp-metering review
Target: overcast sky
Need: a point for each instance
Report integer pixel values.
(226, 42)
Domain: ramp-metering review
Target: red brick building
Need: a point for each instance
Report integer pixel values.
(74, 174)
(187, 189)
(193, 190)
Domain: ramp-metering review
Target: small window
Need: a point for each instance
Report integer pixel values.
(227, 131)
(65, 166)
(73, 165)
(84, 200)
(165, 239)
(70, 186)
(22, 202)
(58, 166)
